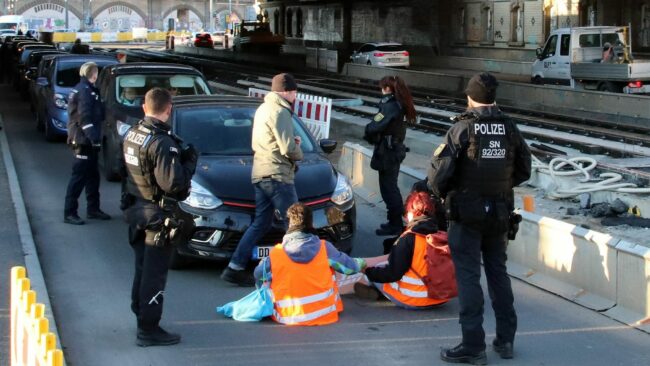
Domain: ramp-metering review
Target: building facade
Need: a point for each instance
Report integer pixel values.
(110, 15)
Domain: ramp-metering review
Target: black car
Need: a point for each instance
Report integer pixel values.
(221, 204)
(122, 88)
(30, 67)
(22, 57)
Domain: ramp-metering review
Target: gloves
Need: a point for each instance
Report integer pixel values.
(189, 157)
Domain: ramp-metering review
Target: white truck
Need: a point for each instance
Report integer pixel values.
(576, 57)
(11, 24)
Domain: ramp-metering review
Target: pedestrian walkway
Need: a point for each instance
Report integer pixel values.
(10, 255)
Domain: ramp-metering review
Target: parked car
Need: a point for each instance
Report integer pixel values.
(381, 54)
(35, 89)
(19, 66)
(203, 40)
(52, 102)
(122, 88)
(217, 37)
(221, 204)
(33, 58)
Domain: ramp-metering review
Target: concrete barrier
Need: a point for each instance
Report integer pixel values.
(288, 62)
(590, 268)
(605, 107)
(523, 68)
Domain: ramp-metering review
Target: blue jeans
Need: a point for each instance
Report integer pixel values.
(270, 195)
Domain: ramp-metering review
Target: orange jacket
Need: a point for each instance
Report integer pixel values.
(410, 290)
(304, 293)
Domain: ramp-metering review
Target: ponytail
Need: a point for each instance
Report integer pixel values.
(402, 94)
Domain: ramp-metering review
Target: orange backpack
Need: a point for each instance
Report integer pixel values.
(440, 278)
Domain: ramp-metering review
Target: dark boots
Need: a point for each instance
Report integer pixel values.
(461, 354)
(156, 337)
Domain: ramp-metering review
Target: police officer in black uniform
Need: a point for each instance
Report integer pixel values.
(482, 158)
(159, 173)
(86, 114)
(387, 132)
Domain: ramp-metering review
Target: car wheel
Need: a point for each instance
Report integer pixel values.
(537, 80)
(50, 136)
(178, 261)
(608, 86)
(111, 171)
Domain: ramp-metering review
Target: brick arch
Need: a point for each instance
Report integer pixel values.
(136, 9)
(201, 14)
(32, 4)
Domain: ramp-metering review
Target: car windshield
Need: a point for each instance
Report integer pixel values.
(130, 89)
(67, 73)
(390, 48)
(222, 130)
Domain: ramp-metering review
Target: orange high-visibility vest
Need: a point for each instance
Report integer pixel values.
(410, 290)
(304, 293)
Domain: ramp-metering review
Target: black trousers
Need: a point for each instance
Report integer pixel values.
(149, 280)
(467, 245)
(85, 175)
(391, 195)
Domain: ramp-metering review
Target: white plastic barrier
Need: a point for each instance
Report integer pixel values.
(314, 111)
(85, 37)
(109, 36)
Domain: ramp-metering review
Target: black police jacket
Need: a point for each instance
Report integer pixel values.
(152, 156)
(85, 115)
(483, 154)
(387, 132)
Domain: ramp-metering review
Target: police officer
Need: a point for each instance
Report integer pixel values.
(386, 132)
(86, 114)
(159, 173)
(482, 158)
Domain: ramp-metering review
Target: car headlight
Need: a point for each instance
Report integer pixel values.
(343, 191)
(59, 101)
(122, 127)
(202, 198)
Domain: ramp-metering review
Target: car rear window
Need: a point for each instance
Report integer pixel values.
(221, 130)
(391, 48)
(67, 73)
(130, 89)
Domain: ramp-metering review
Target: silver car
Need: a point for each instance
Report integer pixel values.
(382, 54)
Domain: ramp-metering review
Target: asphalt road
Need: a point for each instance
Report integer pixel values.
(88, 271)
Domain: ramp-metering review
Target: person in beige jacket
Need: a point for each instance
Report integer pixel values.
(276, 151)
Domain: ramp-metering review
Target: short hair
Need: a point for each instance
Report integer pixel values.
(420, 204)
(157, 100)
(300, 216)
(88, 69)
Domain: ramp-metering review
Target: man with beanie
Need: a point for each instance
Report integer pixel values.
(482, 157)
(276, 151)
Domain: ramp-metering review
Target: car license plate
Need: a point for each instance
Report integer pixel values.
(394, 59)
(261, 252)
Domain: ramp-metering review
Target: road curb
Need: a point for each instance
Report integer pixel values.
(32, 263)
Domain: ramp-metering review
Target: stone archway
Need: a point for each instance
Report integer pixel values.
(116, 16)
(192, 20)
(50, 15)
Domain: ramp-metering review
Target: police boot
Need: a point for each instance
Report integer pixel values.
(156, 337)
(460, 354)
(504, 349)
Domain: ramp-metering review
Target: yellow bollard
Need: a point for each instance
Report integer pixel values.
(17, 274)
(55, 358)
(47, 344)
(529, 203)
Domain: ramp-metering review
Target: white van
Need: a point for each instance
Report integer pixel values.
(574, 57)
(12, 23)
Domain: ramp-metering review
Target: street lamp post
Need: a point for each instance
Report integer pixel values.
(211, 17)
(67, 26)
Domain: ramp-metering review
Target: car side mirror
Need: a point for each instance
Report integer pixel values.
(29, 74)
(327, 145)
(42, 81)
(538, 52)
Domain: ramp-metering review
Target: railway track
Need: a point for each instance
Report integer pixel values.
(434, 110)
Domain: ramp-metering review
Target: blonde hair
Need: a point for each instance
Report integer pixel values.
(88, 69)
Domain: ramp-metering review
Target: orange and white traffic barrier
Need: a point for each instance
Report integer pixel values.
(31, 343)
(314, 111)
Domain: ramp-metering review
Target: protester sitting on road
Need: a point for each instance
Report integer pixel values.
(302, 267)
(400, 279)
